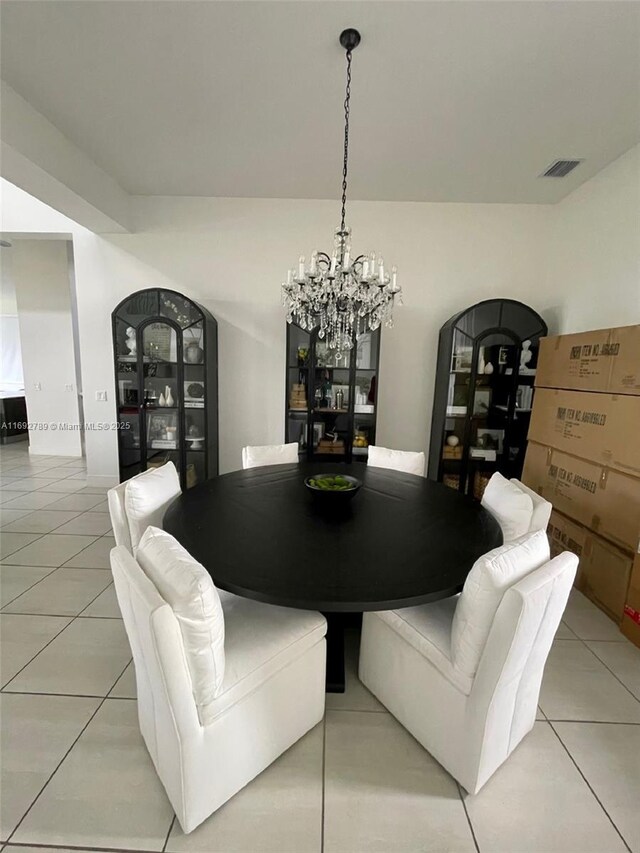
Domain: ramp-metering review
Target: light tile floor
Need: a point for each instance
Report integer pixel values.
(76, 775)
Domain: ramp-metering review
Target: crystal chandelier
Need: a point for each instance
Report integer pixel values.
(339, 293)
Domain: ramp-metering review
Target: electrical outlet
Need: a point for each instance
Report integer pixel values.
(37, 386)
(68, 387)
(101, 396)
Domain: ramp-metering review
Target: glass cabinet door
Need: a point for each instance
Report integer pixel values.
(330, 413)
(298, 384)
(160, 368)
(194, 427)
(365, 394)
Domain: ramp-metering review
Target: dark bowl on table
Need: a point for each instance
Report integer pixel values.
(329, 496)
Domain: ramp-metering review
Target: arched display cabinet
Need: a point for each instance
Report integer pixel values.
(486, 367)
(331, 403)
(166, 372)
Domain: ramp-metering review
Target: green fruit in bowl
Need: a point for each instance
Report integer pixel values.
(332, 483)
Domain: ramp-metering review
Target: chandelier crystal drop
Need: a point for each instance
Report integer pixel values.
(340, 294)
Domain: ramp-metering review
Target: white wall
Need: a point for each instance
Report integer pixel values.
(231, 255)
(42, 285)
(594, 249)
(10, 352)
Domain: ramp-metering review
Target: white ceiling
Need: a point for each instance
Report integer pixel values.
(452, 101)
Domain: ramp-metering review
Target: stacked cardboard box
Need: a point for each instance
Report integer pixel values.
(584, 457)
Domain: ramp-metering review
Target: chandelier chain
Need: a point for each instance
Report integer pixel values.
(345, 164)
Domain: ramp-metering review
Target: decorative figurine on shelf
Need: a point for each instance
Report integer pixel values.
(453, 440)
(131, 340)
(488, 369)
(168, 397)
(195, 438)
(193, 352)
(360, 439)
(525, 356)
(303, 356)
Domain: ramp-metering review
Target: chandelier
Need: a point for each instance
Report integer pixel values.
(342, 295)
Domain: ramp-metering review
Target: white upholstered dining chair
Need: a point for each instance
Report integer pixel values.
(408, 461)
(269, 454)
(516, 508)
(463, 674)
(225, 685)
(141, 501)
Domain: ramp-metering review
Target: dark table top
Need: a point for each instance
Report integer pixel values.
(402, 540)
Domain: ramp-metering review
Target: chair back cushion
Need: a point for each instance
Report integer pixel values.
(187, 587)
(483, 590)
(511, 507)
(541, 507)
(408, 461)
(146, 498)
(270, 454)
(118, 514)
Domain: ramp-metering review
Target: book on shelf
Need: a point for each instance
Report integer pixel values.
(489, 455)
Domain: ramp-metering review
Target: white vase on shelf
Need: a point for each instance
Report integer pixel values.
(168, 398)
(161, 400)
(488, 369)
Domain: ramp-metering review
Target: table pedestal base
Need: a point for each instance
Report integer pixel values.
(335, 652)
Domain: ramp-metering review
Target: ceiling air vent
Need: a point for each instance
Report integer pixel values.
(560, 169)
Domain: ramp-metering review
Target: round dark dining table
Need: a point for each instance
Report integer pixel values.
(403, 540)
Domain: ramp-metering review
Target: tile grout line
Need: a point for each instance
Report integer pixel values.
(610, 670)
(55, 770)
(69, 695)
(66, 615)
(30, 587)
(64, 565)
(40, 650)
(43, 509)
(57, 767)
(72, 618)
(40, 536)
(587, 783)
(113, 686)
(324, 780)
(44, 847)
(166, 841)
(464, 806)
(589, 722)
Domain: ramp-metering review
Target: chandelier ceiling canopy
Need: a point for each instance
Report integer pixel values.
(341, 294)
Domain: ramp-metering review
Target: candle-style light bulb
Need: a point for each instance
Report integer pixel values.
(314, 263)
(301, 267)
(394, 279)
(381, 270)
